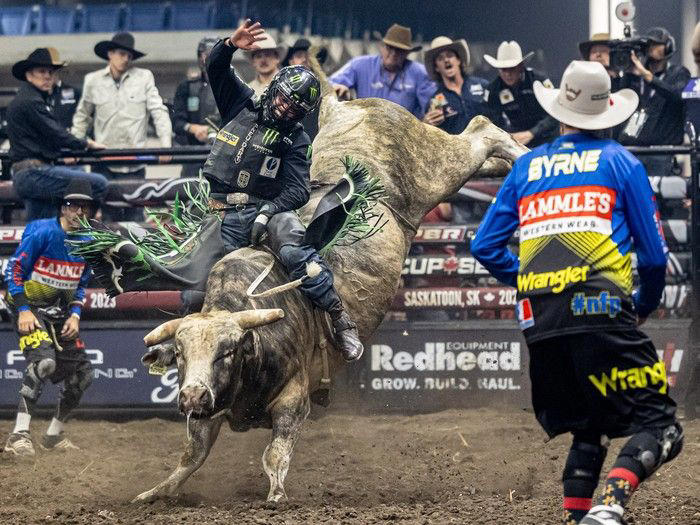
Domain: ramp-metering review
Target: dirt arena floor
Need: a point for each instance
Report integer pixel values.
(482, 466)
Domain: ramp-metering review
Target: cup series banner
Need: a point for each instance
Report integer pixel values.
(406, 367)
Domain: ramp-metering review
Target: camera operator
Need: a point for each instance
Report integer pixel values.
(660, 117)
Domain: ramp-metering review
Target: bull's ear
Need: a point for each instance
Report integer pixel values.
(247, 344)
(159, 355)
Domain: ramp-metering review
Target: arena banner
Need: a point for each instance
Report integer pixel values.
(675, 297)
(119, 378)
(432, 366)
(406, 366)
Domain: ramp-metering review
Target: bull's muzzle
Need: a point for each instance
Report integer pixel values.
(196, 400)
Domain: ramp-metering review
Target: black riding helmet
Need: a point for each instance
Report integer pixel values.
(293, 93)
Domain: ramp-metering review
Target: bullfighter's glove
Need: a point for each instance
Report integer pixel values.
(265, 211)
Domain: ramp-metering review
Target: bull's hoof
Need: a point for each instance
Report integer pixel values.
(148, 497)
(276, 496)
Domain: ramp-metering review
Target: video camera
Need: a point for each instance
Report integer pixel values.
(621, 49)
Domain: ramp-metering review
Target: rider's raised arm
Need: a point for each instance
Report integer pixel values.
(230, 92)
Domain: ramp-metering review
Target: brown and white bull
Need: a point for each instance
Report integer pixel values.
(256, 362)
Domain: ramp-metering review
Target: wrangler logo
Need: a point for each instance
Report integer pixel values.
(33, 340)
(566, 163)
(270, 136)
(639, 377)
(228, 138)
(556, 280)
(604, 303)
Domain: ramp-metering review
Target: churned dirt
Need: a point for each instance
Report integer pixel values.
(481, 466)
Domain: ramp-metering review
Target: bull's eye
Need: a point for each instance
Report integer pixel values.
(225, 355)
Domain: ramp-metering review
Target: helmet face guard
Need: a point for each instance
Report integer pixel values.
(293, 93)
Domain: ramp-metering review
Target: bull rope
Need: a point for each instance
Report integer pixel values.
(313, 269)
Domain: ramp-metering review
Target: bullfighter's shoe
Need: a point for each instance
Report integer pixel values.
(604, 515)
(57, 442)
(346, 334)
(20, 444)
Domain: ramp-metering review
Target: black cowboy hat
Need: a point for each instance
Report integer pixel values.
(302, 44)
(78, 190)
(119, 41)
(40, 57)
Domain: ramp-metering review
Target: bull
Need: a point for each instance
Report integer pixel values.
(258, 362)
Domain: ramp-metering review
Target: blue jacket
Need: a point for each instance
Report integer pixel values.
(580, 203)
(42, 272)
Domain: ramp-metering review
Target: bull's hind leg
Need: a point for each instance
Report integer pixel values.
(203, 434)
(288, 414)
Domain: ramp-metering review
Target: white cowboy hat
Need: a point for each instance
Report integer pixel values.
(441, 43)
(268, 43)
(584, 100)
(508, 55)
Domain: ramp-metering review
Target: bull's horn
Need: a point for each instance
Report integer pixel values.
(252, 318)
(162, 332)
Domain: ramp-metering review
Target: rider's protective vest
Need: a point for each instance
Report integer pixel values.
(247, 156)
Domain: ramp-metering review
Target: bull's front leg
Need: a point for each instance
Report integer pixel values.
(203, 434)
(288, 415)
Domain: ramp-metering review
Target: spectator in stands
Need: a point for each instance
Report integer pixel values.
(64, 99)
(266, 62)
(298, 55)
(660, 118)
(584, 327)
(389, 75)
(460, 96)
(196, 118)
(37, 137)
(511, 101)
(117, 101)
(46, 286)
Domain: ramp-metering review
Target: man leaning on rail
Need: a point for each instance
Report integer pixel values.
(37, 137)
(582, 202)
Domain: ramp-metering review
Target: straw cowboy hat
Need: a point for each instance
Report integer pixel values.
(442, 43)
(598, 39)
(40, 57)
(267, 43)
(123, 41)
(584, 100)
(398, 36)
(508, 55)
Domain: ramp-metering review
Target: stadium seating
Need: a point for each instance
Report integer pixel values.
(105, 18)
(188, 16)
(149, 17)
(16, 20)
(60, 19)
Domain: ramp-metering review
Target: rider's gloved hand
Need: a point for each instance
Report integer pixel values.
(265, 211)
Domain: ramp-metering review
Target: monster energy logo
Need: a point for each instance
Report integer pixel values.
(313, 92)
(270, 136)
(295, 79)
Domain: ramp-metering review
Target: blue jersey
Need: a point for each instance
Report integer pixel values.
(42, 272)
(581, 204)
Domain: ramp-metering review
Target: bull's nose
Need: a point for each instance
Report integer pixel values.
(194, 399)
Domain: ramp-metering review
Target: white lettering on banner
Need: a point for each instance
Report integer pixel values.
(496, 383)
(440, 233)
(395, 383)
(437, 357)
(63, 275)
(446, 383)
(676, 360)
(447, 265)
(115, 373)
(415, 298)
(168, 392)
(96, 356)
